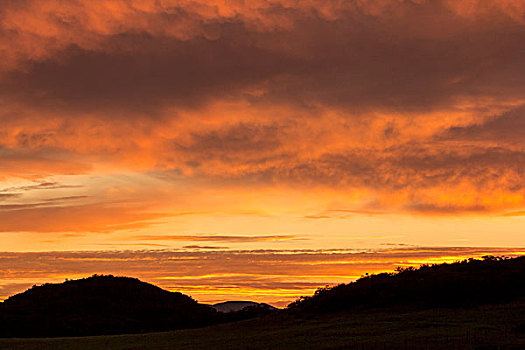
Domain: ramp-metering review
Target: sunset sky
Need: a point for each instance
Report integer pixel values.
(257, 149)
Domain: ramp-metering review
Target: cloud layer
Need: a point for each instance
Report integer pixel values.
(415, 105)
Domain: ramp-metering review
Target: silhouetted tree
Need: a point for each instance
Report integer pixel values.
(464, 283)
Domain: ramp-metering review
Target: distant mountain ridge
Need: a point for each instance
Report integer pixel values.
(233, 306)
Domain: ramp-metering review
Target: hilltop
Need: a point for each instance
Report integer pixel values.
(462, 284)
(472, 304)
(99, 305)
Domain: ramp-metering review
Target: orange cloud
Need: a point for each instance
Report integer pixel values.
(37, 167)
(73, 218)
(312, 95)
(215, 238)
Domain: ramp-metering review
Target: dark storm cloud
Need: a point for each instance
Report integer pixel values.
(407, 166)
(357, 60)
(163, 72)
(240, 143)
(507, 128)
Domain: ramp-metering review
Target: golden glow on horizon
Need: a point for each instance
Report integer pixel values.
(277, 277)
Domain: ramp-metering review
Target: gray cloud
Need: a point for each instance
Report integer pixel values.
(506, 129)
(354, 60)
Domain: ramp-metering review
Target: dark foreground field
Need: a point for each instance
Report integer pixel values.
(487, 327)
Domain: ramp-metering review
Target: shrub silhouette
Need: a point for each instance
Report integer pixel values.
(461, 284)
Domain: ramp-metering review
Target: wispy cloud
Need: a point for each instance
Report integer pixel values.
(216, 238)
(73, 218)
(45, 185)
(4, 196)
(203, 247)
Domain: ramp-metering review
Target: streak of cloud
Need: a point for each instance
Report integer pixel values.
(216, 238)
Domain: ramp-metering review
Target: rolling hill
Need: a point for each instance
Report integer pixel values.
(99, 305)
(472, 304)
(461, 284)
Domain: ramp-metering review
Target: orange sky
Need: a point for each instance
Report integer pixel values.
(221, 126)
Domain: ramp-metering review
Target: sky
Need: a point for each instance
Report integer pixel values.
(257, 149)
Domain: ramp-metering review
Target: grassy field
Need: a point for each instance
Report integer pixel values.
(488, 327)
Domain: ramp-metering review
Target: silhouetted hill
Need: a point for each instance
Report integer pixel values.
(461, 284)
(113, 305)
(99, 305)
